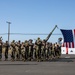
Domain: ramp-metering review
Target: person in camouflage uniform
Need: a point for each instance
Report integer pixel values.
(53, 51)
(23, 51)
(47, 51)
(38, 49)
(6, 45)
(1, 44)
(30, 49)
(58, 51)
(13, 50)
(26, 50)
(34, 51)
(16, 51)
(43, 48)
(19, 50)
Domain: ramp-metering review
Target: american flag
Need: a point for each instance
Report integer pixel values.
(69, 38)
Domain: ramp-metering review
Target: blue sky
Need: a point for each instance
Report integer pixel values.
(36, 16)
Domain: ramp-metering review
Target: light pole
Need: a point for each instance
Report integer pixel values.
(8, 31)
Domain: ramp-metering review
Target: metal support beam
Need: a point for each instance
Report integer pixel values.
(8, 31)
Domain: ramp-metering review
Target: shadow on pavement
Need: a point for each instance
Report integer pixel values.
(63, 60)
(17, 64)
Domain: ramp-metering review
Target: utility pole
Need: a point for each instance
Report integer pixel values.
(8, 31)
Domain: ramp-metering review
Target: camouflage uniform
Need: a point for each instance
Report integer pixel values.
(13, 50)
(1, 49)
(59, 51)
(53, 52)
(30, 49)
(19, 50)
(47, 51)
(34, 51)
(26, 50)
(23, 51)
(6, 50)
(38, 49)
(50, 51)
(43, 48)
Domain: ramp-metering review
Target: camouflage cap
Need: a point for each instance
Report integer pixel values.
(38, 38)
(13, 41)
(19, 41)
(26, 41)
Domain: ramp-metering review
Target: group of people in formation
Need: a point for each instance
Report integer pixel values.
(29, 51)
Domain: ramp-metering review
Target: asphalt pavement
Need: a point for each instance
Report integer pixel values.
(62, 66)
